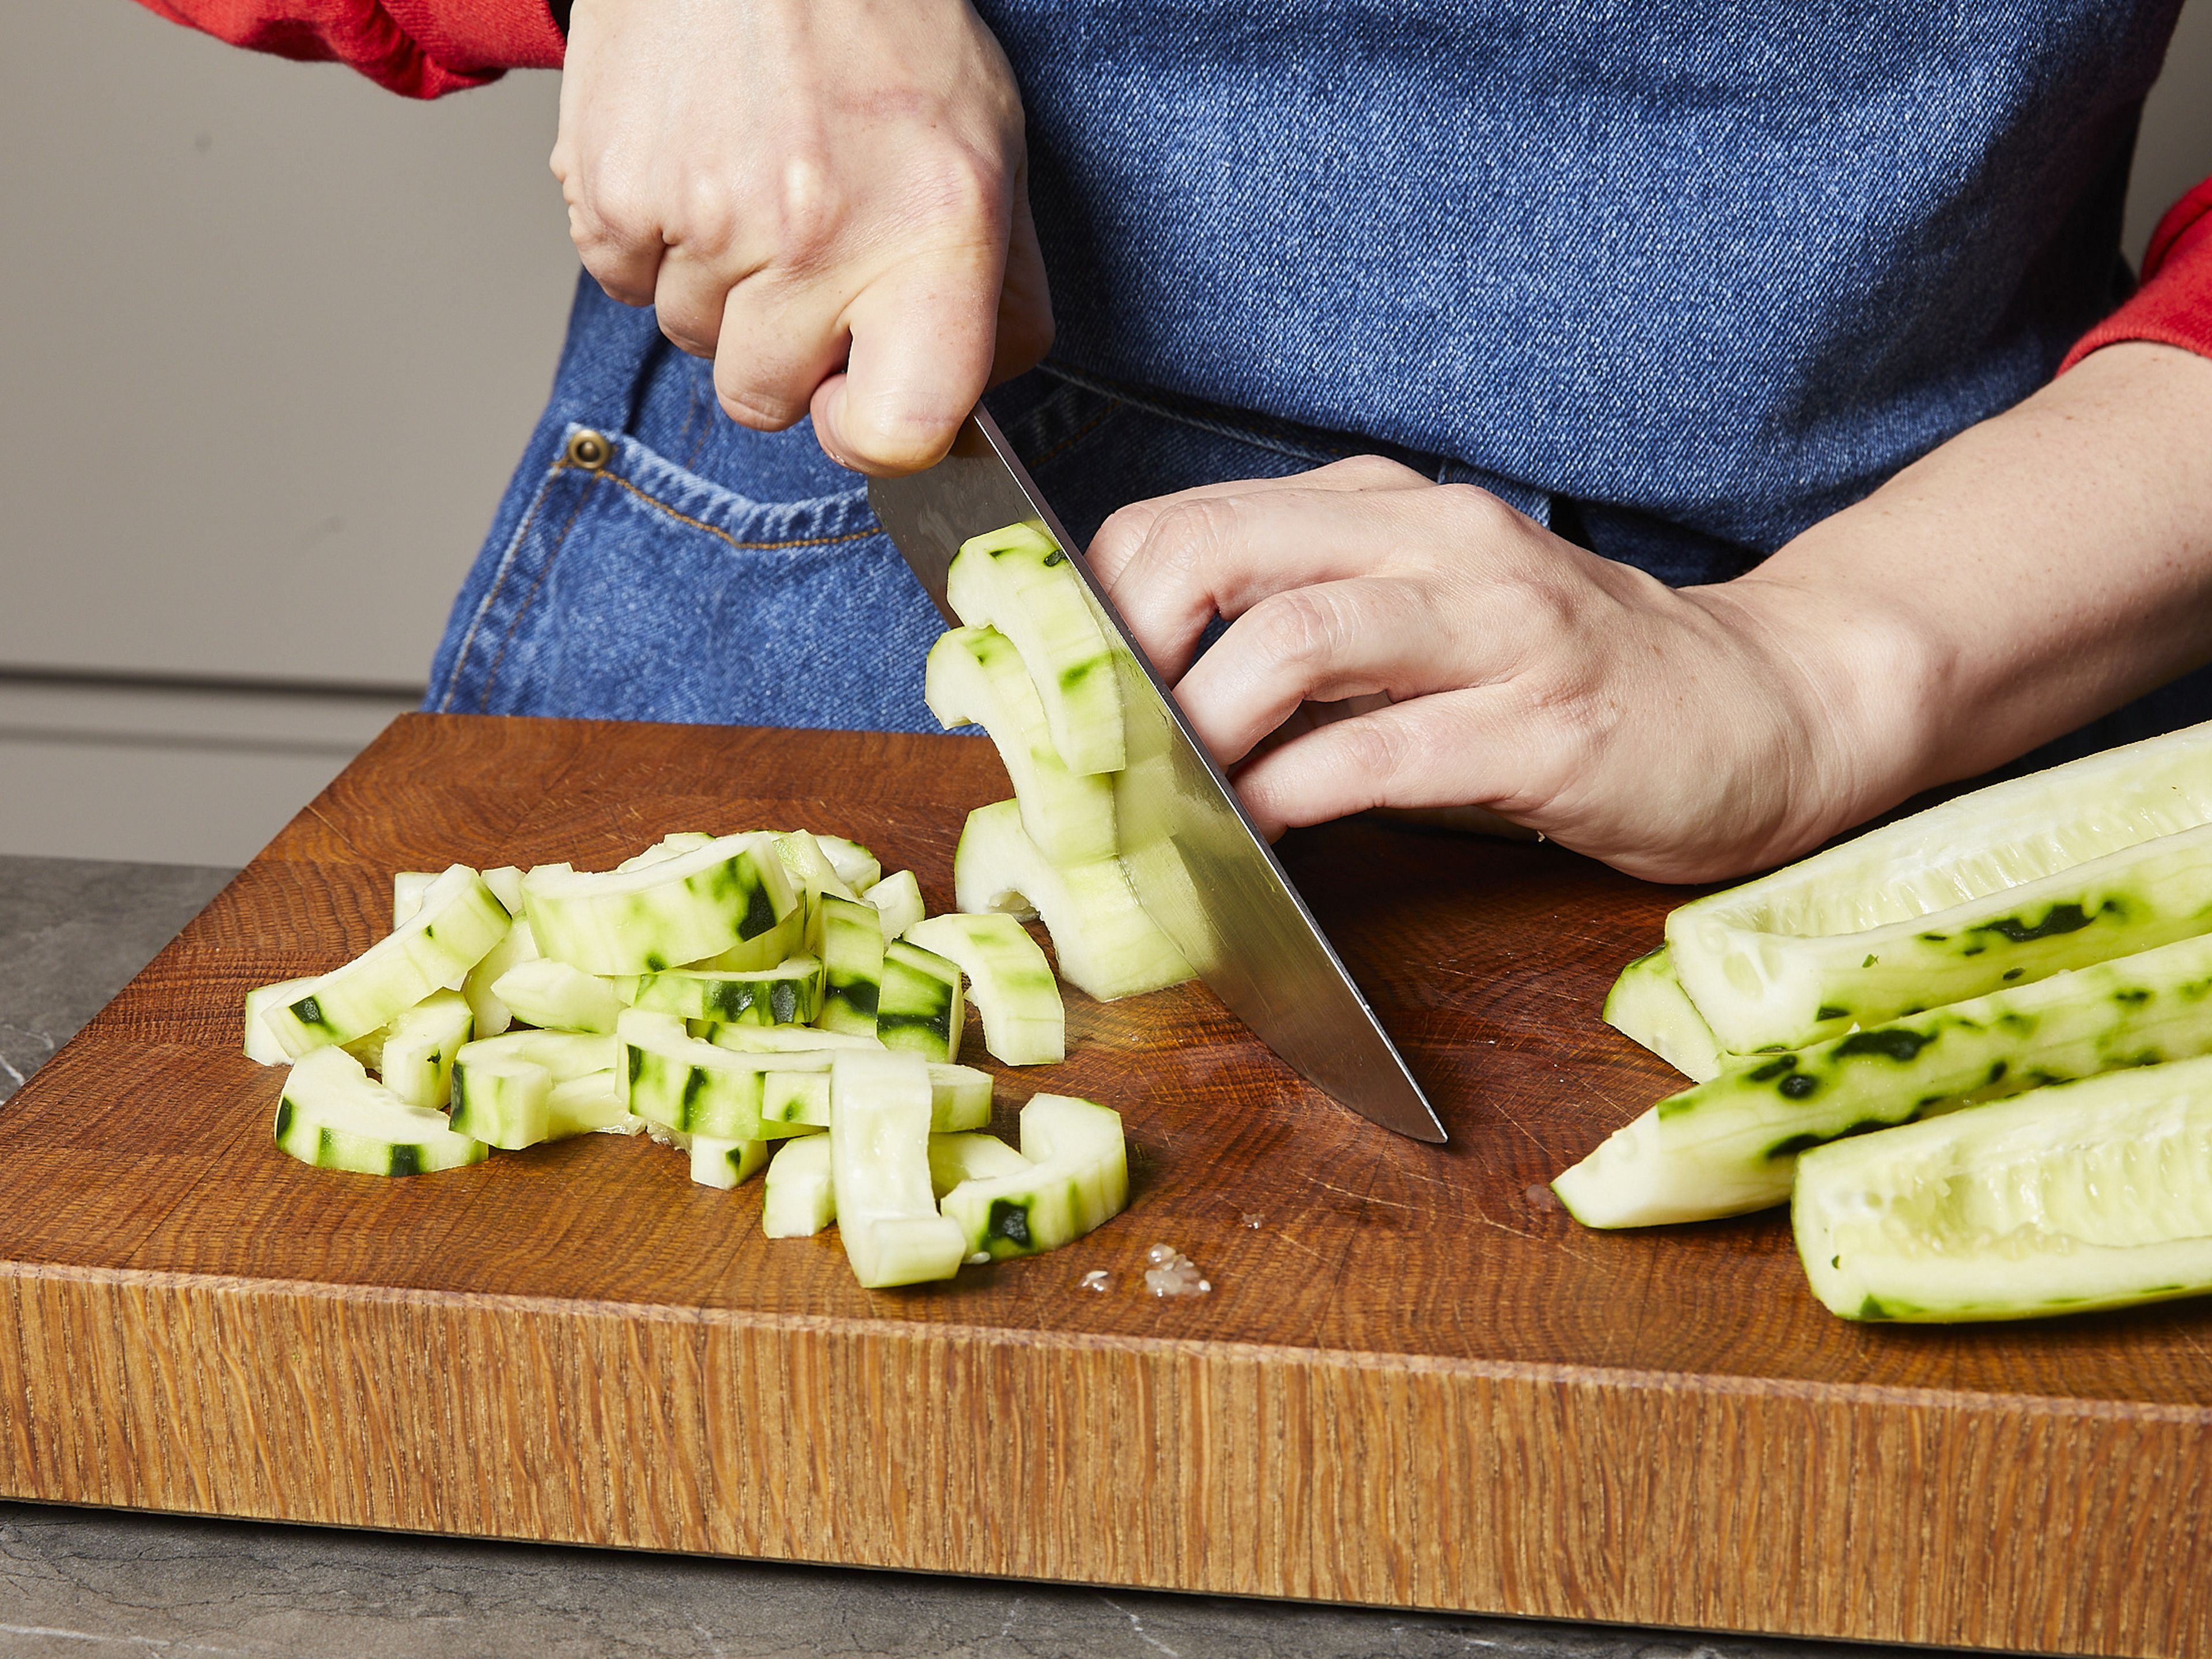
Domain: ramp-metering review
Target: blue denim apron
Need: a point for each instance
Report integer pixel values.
(1678, 281)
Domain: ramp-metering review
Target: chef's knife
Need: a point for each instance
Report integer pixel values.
(1200, 870)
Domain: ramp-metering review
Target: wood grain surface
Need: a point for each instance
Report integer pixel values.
(1415, 1382)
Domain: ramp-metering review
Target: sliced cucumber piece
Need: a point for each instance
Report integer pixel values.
(796, 935)
(1648, 1006)
(680, 909)
(792, 1101)
(880, 1171)
(597, 1101)
(668, 846)
(684, 1085)
(2100, 858)
(506, 883)
(1108, 947)
(976, 678)
(491, 1015)
(800, 1199)
(789, 993)
(898, 899)
(2090, 1195)
(856, 867)
(502, 1100)
(415, 1059)
(954, 1159)
(555, 997)
(810, 866)
(332, 1116)
(853, 961)
(408, 887)
(459, 921)
(724, 1164)
(565, 1054)
(1018, 581)
(263, 1047)
(921, 1005)
(1730, 1144)
(785, 1039)
(1024, 1021)
(1078, 1178)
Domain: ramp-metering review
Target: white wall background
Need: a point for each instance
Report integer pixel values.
(271, 340)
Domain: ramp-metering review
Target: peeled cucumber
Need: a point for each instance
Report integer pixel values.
(1648, 1006)
(919, 1005)
(1107, 945)
(1077, 1178)
(415, 1059)
(677, 910)
(799, 1199)
(887, 1215)
(685, 1085)
(725, 1163)
(897, 899)
(1018, 581)
(263, 1046)
(332, 1115)
(976, 678)
(794, 1100)
(2102, 857)
(852, 963)
(1023, 1021)
(554, 996)
(789, 993)
(2089, 1194)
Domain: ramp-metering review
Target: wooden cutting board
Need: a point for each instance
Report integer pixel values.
(1415, 1381)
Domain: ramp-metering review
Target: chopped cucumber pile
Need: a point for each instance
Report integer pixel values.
(729, 995)
(2045, 945)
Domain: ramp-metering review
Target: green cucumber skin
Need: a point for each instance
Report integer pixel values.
(2069, 1198)
(693, 1099)
(788, 994)
(1743, 1131)
(919, 1004)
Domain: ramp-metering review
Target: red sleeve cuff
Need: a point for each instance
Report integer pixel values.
(419, 48)
(2174, 306)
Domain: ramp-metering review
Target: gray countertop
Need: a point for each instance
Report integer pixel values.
(78, 1582)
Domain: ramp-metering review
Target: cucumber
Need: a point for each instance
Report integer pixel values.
(887, 1215)
(976, 678)
(502, 1100)
(1078, 1178)
(332, 1116)
(685, 1085)
(1024, 1021)
(919, 1006)
(854, 864)
(415, 1059)
(2100, 858)
(491, 1015)
(1648, 1006)
(724, 1164)
(958, 1158)
(799, 1199)
(263, 1046)
(668, 846)
(810, 866)
(784, 1039)
(852, 963)
(2089, 1194)
(597, 1101)
(792, 1101)
(555, 997)
(796, 935)
(1730, 1144)
(695, 905)
(408, 887)
(1018, 581)
(565, 1054)
(897, 899)
(1107, 945)
(789, 993)
(459, 923)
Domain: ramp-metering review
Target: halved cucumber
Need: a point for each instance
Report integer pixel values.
(800, 1199)
(724, 1164)
(1023, 1021)
(919, 1006)
(1648, 1006)
(1078, 1177)
(459, 923)
(554, 996)
(416, 1061)
(263, 1046)
(792, 1101)
(853, 962)
(1107, 945)
(789, 993)
(897, 899)
(1018, 581)
(680, 909)
(1730, 1144)
(2102, 857)
(332, 1116)
(2090, 1195)
(976, 678)
(887, 1214)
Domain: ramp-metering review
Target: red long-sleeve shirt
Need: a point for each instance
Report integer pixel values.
(425, 48)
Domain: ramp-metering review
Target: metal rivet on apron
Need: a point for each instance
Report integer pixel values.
(589, 450)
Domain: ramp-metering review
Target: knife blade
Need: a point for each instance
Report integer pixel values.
(1199, 868)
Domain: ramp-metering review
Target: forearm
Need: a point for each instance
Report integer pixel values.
(2036, 571)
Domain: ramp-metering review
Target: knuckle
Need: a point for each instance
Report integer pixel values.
(1302, 627)
(809, 211)
(1370, 472)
